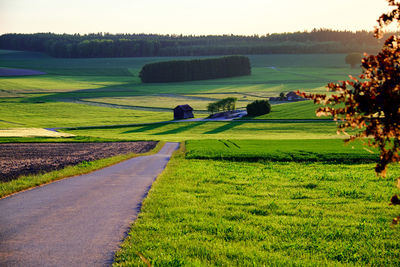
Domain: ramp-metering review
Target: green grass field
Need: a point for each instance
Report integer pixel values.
(322, 150)
(244, 193)
(215, 130)
(115, 81)
(225, 213)
(163, 101)
(271, 74)
(16, 113)
(304, 110)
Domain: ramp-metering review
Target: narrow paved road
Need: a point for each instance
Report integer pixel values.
(79, 221)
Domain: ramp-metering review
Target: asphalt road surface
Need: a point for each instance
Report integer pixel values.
(78, 221)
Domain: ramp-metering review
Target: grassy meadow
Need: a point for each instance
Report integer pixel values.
(116, 81)
(18, 114)
(214, 130)
(303, 110)
(207, 212)
(308, 150)
(278, 189)
(168, 102)
(39, 99)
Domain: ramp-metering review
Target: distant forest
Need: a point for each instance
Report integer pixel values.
(151, 45)
(196, 69)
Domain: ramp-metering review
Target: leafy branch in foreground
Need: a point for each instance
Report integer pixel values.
(371, 103)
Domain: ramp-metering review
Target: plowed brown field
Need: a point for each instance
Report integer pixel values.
(18, 159)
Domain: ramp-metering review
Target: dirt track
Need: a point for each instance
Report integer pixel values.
(18, 159)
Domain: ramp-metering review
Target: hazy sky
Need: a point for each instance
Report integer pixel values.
(187, 16)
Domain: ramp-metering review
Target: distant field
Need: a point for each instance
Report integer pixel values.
(239, 96)
(158, 101)
(16, 114)
(216, 130)
(116, 81)
(331, 150)
(296, 110)
(273, 73)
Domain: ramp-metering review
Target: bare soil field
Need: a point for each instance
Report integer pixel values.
(4, 72)
(18, 159)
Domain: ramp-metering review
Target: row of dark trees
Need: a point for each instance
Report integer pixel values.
(142, 45)
(198, 69)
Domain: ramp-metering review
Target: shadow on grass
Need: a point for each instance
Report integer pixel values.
(182, 129)
(146, 128)
(121, 90)
(225, 127)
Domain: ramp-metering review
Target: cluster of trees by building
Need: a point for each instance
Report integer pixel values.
(198, 69)
(226, 104)
(142, 45)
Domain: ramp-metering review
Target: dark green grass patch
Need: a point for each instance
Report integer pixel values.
(323, 150)
(222, 213)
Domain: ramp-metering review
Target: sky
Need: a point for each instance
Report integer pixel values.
(187, 17)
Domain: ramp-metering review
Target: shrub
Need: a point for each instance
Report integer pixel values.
(258, 107)
(353, 59)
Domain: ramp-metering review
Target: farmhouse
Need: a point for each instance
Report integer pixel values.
(183, 112)
(292, 96)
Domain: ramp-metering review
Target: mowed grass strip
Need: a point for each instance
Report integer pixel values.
(223, 213)
(323, 150)
(29, 181)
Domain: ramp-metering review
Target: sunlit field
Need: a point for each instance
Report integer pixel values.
(237, 213)
(58, 114)
(273, 190)
(115, 81)
(271, 74)
(158, 101)
(214, 130)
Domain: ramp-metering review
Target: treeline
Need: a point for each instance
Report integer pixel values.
(142, 45)
(198, 69)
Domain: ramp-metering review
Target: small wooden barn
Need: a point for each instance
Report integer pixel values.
(183, 112)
